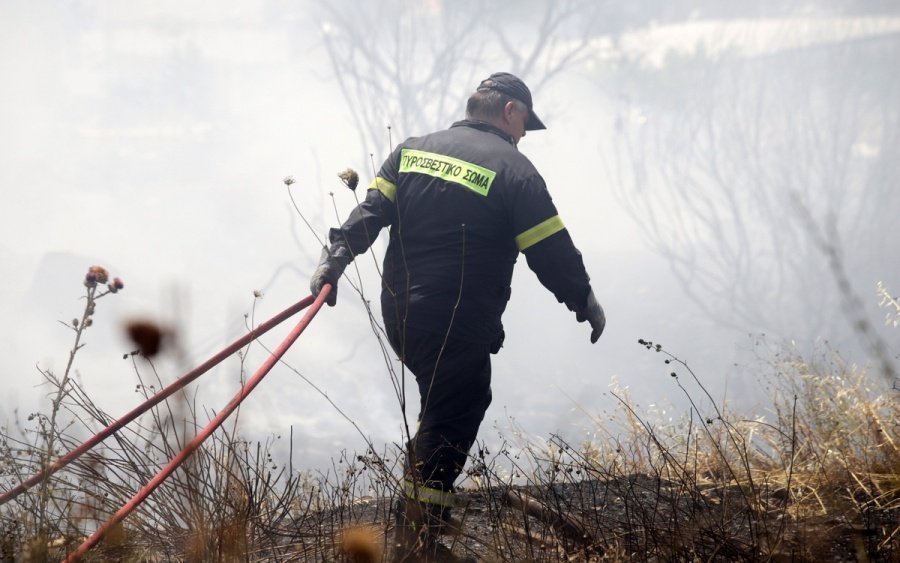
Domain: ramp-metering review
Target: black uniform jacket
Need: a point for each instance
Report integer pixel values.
(461, 204)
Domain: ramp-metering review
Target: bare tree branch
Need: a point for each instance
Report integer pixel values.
(707, 162)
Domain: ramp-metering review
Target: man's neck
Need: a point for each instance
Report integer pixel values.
(493, 127)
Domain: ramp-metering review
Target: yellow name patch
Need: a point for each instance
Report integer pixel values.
(476, 178)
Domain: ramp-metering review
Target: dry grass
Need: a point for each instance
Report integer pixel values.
(815, 479)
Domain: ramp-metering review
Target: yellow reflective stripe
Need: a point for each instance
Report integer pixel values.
(539, 232)
(476, 178)
(427, 494)
(388, 189)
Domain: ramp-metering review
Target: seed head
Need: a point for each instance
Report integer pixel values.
(350, 178)
(146, 335)
(361, 545)
(100, 274)
(288, 180)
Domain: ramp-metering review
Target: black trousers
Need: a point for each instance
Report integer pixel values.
(454, 380)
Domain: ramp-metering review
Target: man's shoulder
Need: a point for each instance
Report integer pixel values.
(477, 143)
(481, 147)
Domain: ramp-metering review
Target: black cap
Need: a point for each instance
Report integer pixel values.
(514, 88)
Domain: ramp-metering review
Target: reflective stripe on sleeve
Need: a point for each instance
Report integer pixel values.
(539, 232)
(428, 495)
(388, 189)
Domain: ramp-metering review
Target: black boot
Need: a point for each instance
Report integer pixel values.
(409, 531)
(416, 533)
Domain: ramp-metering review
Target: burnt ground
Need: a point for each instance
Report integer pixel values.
(638, 518)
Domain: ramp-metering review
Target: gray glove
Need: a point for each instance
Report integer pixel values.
(592, 313)
(331, 266)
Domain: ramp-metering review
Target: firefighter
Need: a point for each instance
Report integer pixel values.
(461, 204)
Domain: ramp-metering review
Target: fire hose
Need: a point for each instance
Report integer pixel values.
(195, 443)
(217, 421)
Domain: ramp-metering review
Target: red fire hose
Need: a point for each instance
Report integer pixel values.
(155, 399)
(206, 432)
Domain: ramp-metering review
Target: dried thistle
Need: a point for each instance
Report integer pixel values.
(361, 545)
(97, 274)
(115, 285)
(147, 335)
(350, 178)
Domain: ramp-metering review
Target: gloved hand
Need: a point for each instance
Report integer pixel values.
(331, 266)
(592, 313)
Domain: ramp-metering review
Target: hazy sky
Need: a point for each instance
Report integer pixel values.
(152, 138)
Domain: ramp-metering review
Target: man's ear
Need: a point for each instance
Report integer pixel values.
(508, 110)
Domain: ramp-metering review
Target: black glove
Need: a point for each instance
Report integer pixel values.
(331, 266)
(592, 312)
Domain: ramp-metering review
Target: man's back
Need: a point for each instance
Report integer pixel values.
(459, 195)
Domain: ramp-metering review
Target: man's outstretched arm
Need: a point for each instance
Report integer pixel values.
(354, 237)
